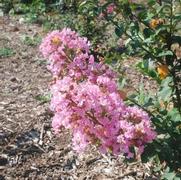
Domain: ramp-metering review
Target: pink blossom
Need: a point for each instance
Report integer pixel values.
(86, 99)
(111, 8)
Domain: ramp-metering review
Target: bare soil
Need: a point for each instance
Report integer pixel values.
(28, 147)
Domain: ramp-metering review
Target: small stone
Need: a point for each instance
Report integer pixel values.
(21, 20)
(13, 79)
(3, 161)
(108, 170)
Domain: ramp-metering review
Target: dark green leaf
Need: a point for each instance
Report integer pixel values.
(147, 32)
(176, 39)
(119, 31)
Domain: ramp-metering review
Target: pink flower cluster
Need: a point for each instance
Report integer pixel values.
(86, 99)
(111, 8)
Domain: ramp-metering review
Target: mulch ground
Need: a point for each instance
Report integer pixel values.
(28, 147)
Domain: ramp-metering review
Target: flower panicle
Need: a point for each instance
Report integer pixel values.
(86, 99)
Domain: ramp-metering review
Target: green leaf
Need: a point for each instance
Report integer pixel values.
(147, 32)
(165, 93)
(166, 53)
(177, 178)
(119, 31)
(152, 73)
(168, 176)
(174, 115)
(167, 82)
(151, 2)
(134, 27)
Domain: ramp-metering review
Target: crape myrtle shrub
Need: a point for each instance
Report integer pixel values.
(87, 100)
(150, 30)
